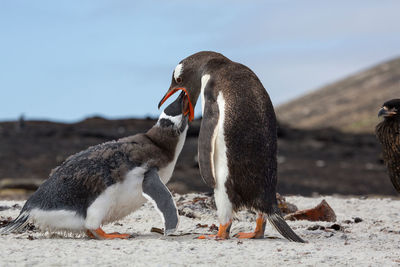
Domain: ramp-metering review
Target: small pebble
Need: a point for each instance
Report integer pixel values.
(16, 206)
(316, 227)
(330, 235)
(335, 227)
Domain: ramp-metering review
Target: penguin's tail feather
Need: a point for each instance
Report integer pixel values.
(282, 227)
(17, 225)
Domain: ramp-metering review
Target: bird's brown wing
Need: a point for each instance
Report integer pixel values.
(393, 163)
(389, 136)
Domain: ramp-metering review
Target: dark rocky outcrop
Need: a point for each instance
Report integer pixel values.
(325, 161)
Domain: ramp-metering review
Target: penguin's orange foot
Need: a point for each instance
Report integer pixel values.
(100, 234)
(90, 235)
(258, 233)
(223, 232)
(213, 237)
(253, 235)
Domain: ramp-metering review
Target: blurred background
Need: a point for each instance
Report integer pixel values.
(78, 73)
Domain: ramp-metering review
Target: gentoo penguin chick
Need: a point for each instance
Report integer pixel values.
(388, 133)
(237, 141)
(107, 182)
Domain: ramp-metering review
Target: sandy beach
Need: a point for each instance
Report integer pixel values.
(367, 232)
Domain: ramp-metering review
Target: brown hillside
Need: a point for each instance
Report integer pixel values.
(350, 104)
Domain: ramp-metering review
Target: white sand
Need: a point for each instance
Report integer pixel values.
(375, 240)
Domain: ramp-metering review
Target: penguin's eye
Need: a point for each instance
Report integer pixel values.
(178, 80)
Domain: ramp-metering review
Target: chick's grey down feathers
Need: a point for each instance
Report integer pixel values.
(84, 176)
(87, 174)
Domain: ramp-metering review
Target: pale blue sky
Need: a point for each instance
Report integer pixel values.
(66, 60)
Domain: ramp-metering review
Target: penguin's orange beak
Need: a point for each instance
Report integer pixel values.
(189, 108)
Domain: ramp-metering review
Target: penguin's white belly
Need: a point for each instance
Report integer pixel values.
(220, 160)
(166, 172)
(57, 219)
(117, 201)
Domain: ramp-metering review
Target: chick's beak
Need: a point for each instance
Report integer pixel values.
(387, 112)
(382, 112)
(188, 107)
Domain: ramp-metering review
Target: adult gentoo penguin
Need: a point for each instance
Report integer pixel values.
(237, 141)
(107, 182)
(388, 133)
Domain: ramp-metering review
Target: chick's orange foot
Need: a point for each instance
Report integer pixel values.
(100, 234)
(223, 232)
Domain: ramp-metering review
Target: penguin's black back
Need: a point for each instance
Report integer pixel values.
(250, 131)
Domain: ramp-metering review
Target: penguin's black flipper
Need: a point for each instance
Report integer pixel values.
(157, 193)
(207, 138)
(283, 228)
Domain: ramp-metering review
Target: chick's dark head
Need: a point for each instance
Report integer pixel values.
(390, 109)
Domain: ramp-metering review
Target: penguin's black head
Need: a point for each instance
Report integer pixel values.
(178, 107)
(174, 114)
(390, 109)
(187, 77)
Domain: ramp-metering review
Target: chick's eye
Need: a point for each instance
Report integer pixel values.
(179, 80)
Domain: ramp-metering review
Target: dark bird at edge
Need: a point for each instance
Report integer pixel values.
(388, 133)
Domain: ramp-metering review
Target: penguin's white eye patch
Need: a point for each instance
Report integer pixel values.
(178, 72)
